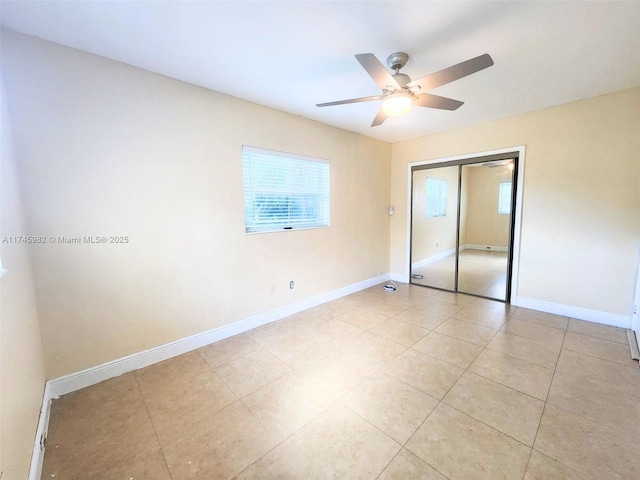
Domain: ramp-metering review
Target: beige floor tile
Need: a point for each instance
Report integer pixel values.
(542, 467)
(373, 348)
(606, 332)
(407, 466)
(169, 401)
(289, 348)
(454, 298)
(534, 331)
(481, 316)
(525, 349)
(463, 448)
(419, 290)
(252, 371)
(400, 332)
(507, 410)
(594, 449)
(276, 331)
(595, 402)
(512, 372)
(102, 432)
(388, 306)
(337, 373)
(133, 460)
(333, 309)
(437, 307)
(597, 347)
(542, 318)
(286, 404)
(394, 407)
(104, 406)
(583, 387)
(229, 349)
(336, 444)
(466, 331)
(219, 447)
(307, 318)
(187, 365)
(494, 306)
(594, 371)
(423, 372)
(335, 329)
(363, 318)
(449, 349)
(422, 318)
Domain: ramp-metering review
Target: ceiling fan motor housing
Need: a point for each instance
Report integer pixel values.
(397, 60)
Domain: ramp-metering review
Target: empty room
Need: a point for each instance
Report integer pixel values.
(319, 240)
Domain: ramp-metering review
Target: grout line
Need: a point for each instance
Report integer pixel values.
(544, 408)
(155, 432)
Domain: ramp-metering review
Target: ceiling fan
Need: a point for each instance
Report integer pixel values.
(399, 93)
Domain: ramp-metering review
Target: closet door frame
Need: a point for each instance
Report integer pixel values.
(519, 152)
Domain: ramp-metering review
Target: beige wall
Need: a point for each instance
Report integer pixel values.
(433, 236)
(108, 149)
(481, 222)
(581, 197)
(21, 363)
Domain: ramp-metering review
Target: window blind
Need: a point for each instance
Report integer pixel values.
(284, 191)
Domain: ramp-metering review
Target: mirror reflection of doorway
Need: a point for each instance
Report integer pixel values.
(462, 226)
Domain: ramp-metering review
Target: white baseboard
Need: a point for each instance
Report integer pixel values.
(613, 319)
(37, 455)
(432, 258)
(399, 277)
(485, 248)
(91, 376)
(446, 253)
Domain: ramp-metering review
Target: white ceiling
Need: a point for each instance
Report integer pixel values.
(292, 55)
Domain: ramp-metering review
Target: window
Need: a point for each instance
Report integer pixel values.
(284, 191)
(436, 198)
(504, 199)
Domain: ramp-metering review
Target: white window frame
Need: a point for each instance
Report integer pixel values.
(504, 198)
(284, 191)
(435, 198)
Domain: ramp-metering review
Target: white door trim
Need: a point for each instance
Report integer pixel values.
(635, 315)
(518, 210)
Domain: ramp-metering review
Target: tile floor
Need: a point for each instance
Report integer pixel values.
(480, 272)
(415, 384)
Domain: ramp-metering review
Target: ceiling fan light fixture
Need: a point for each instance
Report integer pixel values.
(397, 104)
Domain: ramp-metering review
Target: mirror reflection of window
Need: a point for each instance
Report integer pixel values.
(436, 198)
(504, 198)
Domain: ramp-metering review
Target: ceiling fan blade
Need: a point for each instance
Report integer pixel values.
(434, 101)
(350, 100)
(377, 71)
(453, 73)
(380, 117)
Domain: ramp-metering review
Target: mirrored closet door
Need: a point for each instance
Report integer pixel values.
(462, 226)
